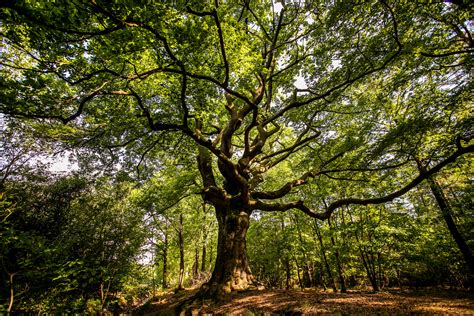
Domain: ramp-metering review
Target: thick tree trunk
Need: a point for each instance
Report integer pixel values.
(231, 270)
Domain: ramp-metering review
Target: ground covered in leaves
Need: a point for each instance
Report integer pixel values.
(313, 301)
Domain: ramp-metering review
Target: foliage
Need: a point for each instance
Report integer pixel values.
(321, 122)
(67, 240)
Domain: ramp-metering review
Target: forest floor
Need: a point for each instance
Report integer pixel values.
(313, 301)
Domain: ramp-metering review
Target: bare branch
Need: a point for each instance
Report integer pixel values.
(214, 14)
(221, 42)
(458, 52)
(183, 97)
(387, 198)
(283, 207)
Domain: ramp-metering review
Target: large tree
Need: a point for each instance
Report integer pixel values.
(270, 98)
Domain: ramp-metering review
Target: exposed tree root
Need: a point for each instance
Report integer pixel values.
(215, 293)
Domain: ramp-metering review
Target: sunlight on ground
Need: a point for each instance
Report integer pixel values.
(308, 302)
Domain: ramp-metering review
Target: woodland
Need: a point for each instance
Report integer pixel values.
(177, 152)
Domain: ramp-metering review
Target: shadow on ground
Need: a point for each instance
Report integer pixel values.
(313, 301)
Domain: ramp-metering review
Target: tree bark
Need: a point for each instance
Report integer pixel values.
(447, 216)
(364, 254)
(204, 239)
(231, 270)
(203, 258)
(196, 264)
(300, 282)
(306, 280)
(342, 280)
(325, 260)
(368, 265)
(165, 260)
(181, 253)
(12, 293)
(288, 273)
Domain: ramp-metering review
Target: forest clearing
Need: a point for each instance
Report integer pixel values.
(313, 301)
(274, 156)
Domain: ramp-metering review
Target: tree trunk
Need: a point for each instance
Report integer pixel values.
(321, 276)
(300, 282)
(307, 282)
(181, 253)
(306, 279)
(325, 260)
(165, 260)
(369, 268)
(211, 255)
(371, 274)
(447, 216)
(231, 270)
(12, 293)
(203, 258)
(288, 273)
(205, 231)
(196, 264)
(342, 281)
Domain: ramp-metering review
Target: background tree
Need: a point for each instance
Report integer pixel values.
(66, 242)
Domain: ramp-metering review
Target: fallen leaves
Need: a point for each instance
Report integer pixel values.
(314, 301)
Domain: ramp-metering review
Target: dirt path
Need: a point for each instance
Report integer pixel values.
(295, 302)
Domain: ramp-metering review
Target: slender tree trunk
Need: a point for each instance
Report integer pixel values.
(321, 276)
(211, 256)
(205, 231)
(373, 271)
(365, 260)
(153, 259)
(307, 281)
(288, 273)
(286, 258)
(12, 293)
(231, 270)
(104, 293)
(312, 274)
(369, 268)
(306, 278)
(165, 261)
(446, 212)
(203, 258)
(181, 253)
(342, 281)
(196, 264)
(323, 253)
(380, 271)
(298, 274)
